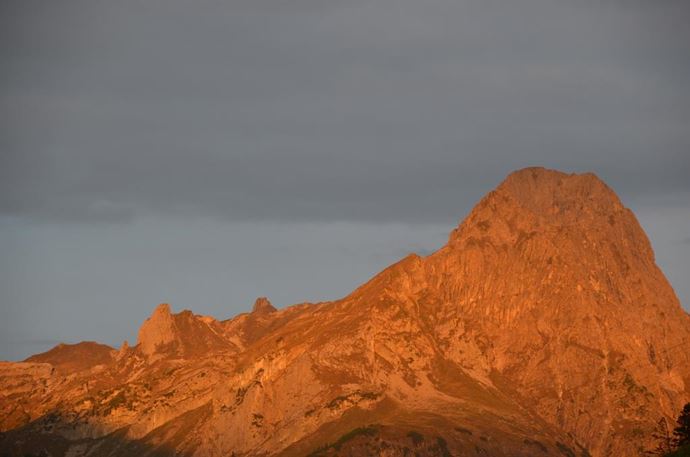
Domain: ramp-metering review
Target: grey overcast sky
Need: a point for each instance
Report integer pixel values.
(207, 152)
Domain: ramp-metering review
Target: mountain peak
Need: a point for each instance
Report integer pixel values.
(157, 330)
(72, 357)
(551, 192)
(162, 309)
(535, 199)
(543, 327)
(263, 306)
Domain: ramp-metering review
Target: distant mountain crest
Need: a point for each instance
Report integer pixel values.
(543, 327)
(263, 306)
(157, 331)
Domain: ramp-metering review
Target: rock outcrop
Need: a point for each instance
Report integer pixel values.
(71, 358)
(182, 335)
(263, 306)
(158, 332)
(543, 327)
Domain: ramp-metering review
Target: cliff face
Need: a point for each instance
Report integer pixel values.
(543, 327)
(561, 281)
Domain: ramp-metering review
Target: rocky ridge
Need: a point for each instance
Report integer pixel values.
(543, 327)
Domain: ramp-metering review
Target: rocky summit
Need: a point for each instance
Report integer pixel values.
(542, 328)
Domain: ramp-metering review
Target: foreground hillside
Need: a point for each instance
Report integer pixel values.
(543, 327)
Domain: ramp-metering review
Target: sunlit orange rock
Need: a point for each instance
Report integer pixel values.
(543, 327)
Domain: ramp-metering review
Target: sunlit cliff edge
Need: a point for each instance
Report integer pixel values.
(542, 327)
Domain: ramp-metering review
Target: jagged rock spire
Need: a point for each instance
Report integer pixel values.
(157, 330)
(263, 306)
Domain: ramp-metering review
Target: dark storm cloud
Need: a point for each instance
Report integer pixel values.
(388, 110)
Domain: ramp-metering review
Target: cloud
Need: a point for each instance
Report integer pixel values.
(206, 153)
(366, 111)
(34, 342)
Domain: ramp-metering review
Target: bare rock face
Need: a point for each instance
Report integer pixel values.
(75, 357)
(183, 335)
(158, 331)
(561, 279)
(543, 327)
(263, 306)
